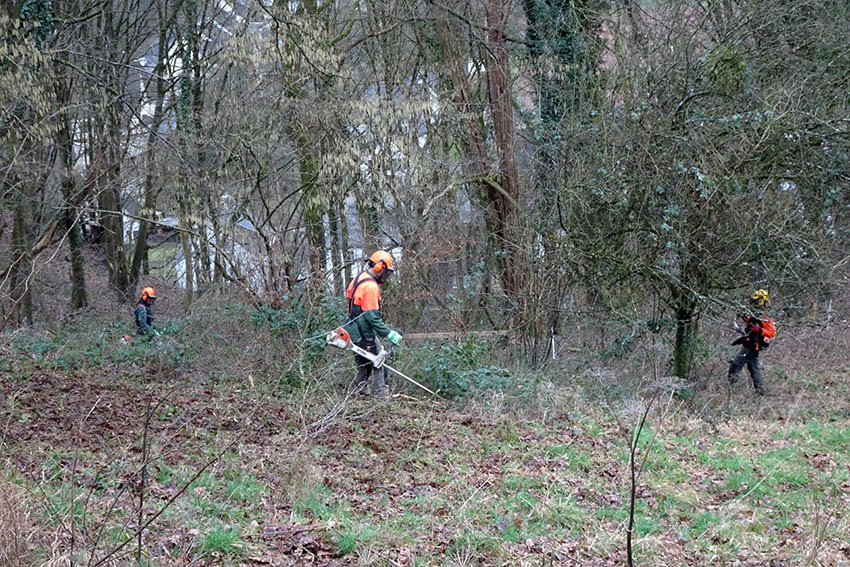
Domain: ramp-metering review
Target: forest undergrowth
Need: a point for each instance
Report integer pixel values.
(233, 440)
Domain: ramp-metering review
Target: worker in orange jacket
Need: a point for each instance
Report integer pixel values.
(365, 324)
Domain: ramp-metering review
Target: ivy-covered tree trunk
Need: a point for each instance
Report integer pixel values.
(347, 271)
(338, 259)
(685, 308)
(186, 133)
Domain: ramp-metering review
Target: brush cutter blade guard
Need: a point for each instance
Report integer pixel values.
(339, 338)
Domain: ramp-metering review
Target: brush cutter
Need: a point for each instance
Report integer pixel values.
(340, 338)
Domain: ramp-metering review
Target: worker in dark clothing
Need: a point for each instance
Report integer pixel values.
(755, 337)
(144, 314)
(365, 324)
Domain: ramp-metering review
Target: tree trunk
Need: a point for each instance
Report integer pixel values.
(112, 221)
(683, 352)
(347, 263)
(504, 201)
(65, 147)
(498, 206)
(368, 221)
(206, 192)
(338, 260)
(312, 211)
(79, 295)
(21, 272)
(186, 244)
(140, 253)
(185, 127)
(108, 157)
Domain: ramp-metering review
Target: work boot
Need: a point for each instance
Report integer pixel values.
(733, 379)
(382, 393)
(760, 391)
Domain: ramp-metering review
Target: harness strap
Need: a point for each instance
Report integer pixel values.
(357, 281)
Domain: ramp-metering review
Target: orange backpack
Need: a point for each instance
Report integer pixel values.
(768, 331)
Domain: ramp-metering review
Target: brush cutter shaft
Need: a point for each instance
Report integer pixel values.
(341, 339)
(409, 379)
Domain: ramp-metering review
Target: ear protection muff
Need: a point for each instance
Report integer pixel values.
(379, 267)
(148, 293)
(381, 263)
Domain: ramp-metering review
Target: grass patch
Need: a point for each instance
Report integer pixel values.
(222, 540)
(579, 461)
(565, 513)
(822, 435)
(353, 537)
(244, 488)
(320, 504)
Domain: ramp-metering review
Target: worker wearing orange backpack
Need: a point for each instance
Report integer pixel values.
(755, 337)
(365, 324)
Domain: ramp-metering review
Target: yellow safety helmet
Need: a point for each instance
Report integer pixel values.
(760, 297)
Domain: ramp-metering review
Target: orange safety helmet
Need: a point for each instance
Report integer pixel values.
(380, 261)
(148, 293)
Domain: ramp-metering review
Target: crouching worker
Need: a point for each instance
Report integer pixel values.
(144, 314)
(365, 324)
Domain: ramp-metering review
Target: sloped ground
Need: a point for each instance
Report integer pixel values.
(231, 447)
(239, 474)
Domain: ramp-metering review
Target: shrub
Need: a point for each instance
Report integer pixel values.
(456, 370)
(300, 317)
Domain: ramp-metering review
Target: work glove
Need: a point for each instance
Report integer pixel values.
(394, 337)
(156, 333)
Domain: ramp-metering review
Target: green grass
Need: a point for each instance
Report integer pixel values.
(244, 488)
(558, 450)
(520, 483)
(472, 544)
(320, 504)
(352, 537)
(564, 513)
(579, 461)
(223, 540)
(65, 505)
